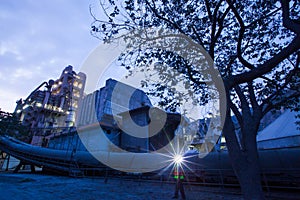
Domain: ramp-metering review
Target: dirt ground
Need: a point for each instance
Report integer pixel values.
(25, 186)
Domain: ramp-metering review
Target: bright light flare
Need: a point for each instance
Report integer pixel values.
(178, 159)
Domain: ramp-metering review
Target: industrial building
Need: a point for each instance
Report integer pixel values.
(67, 126)
(52, 105)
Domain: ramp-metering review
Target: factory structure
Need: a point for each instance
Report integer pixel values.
(61, 117)
(65, 125)
(58, 108)
(52, 105)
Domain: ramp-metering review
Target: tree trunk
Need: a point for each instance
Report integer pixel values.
(244, 161)
(249, 177)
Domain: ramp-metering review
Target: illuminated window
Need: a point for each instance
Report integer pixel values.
(38, 104)
(74, 105)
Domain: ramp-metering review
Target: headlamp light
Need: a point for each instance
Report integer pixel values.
(178, 159)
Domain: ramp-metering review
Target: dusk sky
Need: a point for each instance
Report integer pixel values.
(37, 40)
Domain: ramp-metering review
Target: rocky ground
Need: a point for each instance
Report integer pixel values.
(26, 186)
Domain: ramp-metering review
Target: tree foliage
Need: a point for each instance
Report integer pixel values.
(254, 45)
(11, 126)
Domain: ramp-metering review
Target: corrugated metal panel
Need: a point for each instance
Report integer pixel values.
(282, 133)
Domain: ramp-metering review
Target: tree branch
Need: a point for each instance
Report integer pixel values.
(236, 112)
(213, 31)
(269, 101)
(267, 66)
(208, 10)
(255, 106)
(275, 103)
(154, 10)
(221, 26)
(271, 63)
(241, 35)
(264, 17)
(287, 21)
(197, 36)
(243, 100)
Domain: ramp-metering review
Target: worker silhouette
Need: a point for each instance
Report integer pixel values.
(179, 177)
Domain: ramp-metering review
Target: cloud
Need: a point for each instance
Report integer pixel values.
(22, 74)
(37, 40)
(8, 97)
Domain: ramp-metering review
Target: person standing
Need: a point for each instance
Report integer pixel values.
(179, 177)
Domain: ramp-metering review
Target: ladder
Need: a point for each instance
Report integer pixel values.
(74, 169)
(2, 159)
